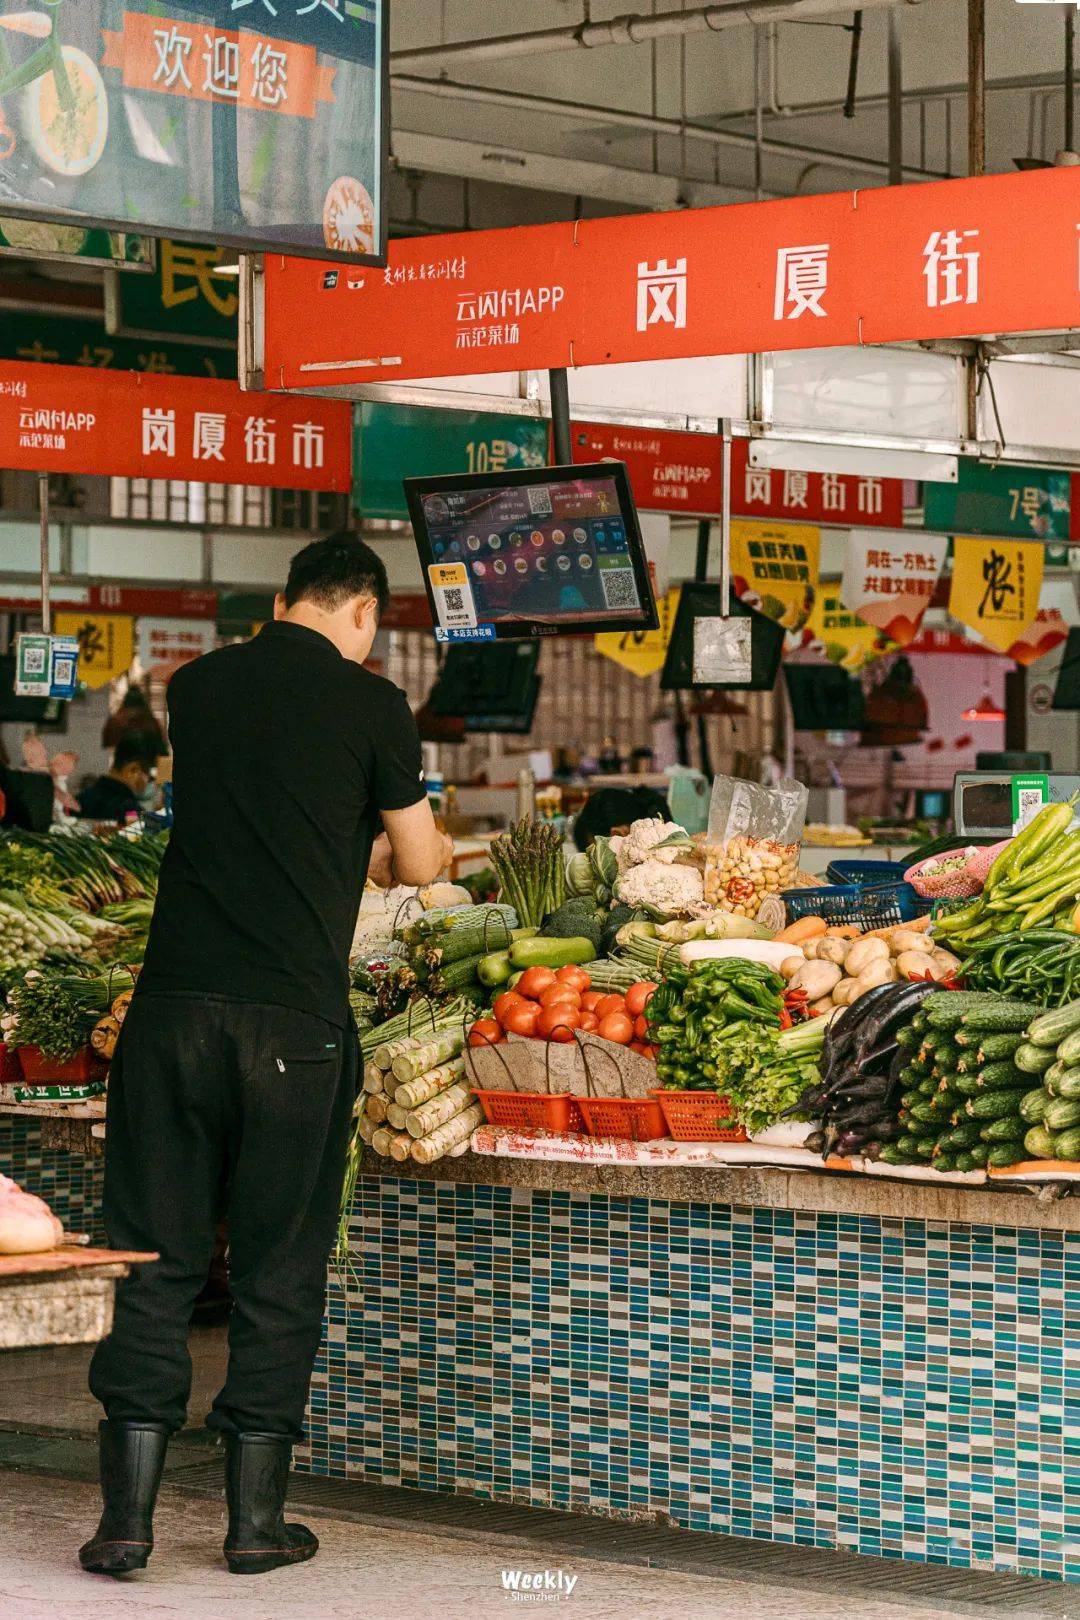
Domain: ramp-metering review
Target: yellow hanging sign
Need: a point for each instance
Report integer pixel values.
(835, 633)
(774, 567)
(106, 644)
(642, 652)
(995, 587)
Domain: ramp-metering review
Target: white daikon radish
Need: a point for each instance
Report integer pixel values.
(772, 952)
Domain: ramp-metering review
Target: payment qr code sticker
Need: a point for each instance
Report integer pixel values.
(620, 587)
(453, 597)
(1029, 795)
(539, 500)
(34, 660)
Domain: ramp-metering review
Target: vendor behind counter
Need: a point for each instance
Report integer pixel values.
(612, 810)
(123, 790)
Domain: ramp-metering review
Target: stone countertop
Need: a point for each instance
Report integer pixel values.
(759, 1186)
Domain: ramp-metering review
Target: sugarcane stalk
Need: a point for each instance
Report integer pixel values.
(459, 1129)
(373, 1078)
(410, 1065)
(423, 1120)
(396, 1116)
(400, 1146)
(375, 1108)
(365, 1128)
(411, 1093)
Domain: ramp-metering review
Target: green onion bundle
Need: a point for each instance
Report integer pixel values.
(57, 1011)
(531, 870)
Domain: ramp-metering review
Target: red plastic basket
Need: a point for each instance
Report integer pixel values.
(10, 1068)
(38, 1070)
(532, 1111)
(629, 1119)
(698, 1116)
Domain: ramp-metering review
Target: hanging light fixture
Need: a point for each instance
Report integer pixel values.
(986, 708)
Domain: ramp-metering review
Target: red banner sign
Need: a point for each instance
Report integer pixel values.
(136, 425)
(813, 497)
(908, 262)
(669, 472)
(157, 600)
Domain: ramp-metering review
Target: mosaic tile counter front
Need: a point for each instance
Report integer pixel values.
(70, 1183)
(898, 1387)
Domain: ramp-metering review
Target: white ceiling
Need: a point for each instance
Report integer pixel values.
(706, 80)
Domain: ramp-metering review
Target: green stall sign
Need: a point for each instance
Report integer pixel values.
(187, 298)
(394, 442)
(57, 341)
(1026, 503)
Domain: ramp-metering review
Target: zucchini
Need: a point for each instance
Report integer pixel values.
(1033, 1106)
(1009, 1129)
(1033, 1059)
(1069, 1049)
(1051, 1028)
(1061, 1114)
(997, 1105)
(1004, 1154)
(1039, 1144)
(1067, 1145)
(551, 953)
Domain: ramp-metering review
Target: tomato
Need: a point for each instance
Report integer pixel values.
(609, 1004)
(485, 1032)
(591, 999)
(575, 976)
(522, 1020)
(561, 994)
(589, 1020)
(508, 1002)
(616, 1027)
(534, 981)
(652, 1052)
(638, 996)
(639, 1047)
(641, 1027)
(559, 1022)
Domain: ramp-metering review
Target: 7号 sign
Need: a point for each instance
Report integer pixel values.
(133, 425)
(256, 123)
(907, 262)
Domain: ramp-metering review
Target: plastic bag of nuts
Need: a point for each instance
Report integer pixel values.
(754, 842)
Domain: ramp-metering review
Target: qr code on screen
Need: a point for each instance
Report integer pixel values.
(34, 661)
(539, 500)
(620, 589)
(453, 599)
(1029, 803)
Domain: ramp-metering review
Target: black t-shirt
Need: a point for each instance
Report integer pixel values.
(108, 799)
(284, 753)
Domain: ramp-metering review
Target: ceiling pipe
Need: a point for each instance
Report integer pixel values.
(626, 30)
(521, 101)
(914, 93)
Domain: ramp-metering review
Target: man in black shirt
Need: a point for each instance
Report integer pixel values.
(115, 796)
(235, 1076)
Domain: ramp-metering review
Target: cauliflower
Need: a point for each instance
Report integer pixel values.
(641, 841)
(662, 886)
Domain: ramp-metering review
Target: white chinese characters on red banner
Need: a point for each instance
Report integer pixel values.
(813, 497)
(137, 425)
(889, 578)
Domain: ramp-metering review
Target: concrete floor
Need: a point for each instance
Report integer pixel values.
(361, 1573)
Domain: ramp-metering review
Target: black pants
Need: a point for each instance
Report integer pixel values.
(222, 1107)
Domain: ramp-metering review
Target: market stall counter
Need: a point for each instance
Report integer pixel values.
(813, 1358)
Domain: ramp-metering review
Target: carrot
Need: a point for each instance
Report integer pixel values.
(806, 928)
(846, 931)
(920, 925)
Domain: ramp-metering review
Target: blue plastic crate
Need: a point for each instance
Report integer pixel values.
(853, 905)
(869, 874)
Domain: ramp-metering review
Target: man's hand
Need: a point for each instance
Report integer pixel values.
(381, 865)
(448, 851)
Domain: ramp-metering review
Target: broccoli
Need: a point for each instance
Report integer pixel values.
(576, 918)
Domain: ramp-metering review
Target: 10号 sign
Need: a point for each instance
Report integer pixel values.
(256, 123)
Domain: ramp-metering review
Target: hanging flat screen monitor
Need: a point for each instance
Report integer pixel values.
(544, 552)
(486, 680)
(700, 601)
(824, 698)
(514, 721)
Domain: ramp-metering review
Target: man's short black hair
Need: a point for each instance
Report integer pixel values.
(136, 748)
(329, 572)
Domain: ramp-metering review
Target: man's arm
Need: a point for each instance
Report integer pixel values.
(419, 851)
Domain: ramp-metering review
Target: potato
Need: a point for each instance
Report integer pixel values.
(908, 939)
(915, 964)
(846, 992)
(862, 953)
(818, 979)
(833, 950)
(946, 961)
(791, 965)
(879, 971)
(823, 1006)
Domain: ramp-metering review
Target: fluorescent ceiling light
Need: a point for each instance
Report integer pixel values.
(796, 455)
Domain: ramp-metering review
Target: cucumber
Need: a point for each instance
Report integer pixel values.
(918, 1023)
(1033, 1059)
(943, 1161)
(1004, 1154)
(1061, 1114)
(1008, 1129)
(998, 1017)
(896, 1153)
(994, 1047)
(923, 1112)
(964, 1161)
(1068, 1084)
(979, 1152)
(924, 1147)
(1039, 1144)
(964, 1136)
(1033, 1106)
(996, 1075)
(997, 1105)
(1067, 1145)
(1051, 1028)
(908, 1098)
(1069, 1050)
(907, 1036)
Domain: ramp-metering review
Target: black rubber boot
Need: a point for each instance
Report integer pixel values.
(256, 1476)
(132, 1456)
